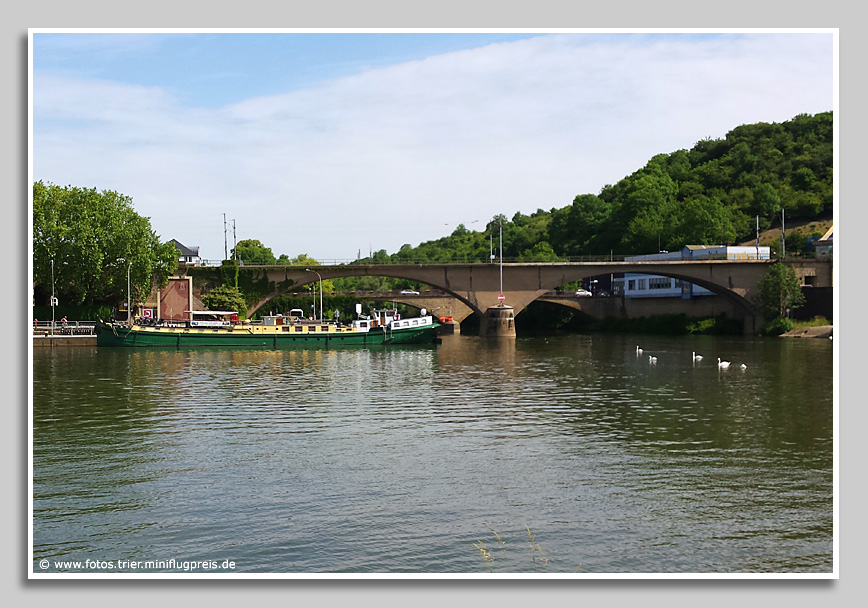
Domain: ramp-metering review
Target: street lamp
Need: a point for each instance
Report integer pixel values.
(320, 290)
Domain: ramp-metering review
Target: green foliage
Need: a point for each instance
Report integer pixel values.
(251, 251)
(778, 326)
(817, 321)
(779, 290)
(94, 240)
(226, 297)
(708, 195)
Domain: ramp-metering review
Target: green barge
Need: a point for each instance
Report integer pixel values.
(274, 332)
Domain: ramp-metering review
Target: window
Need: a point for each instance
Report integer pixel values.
(631, 284)
(640, 284)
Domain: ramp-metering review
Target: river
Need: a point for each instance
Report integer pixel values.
(560, 454)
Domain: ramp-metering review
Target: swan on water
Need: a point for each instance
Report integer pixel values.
(652, 359)
(722, 364)
(697, 357)
(742, 366)
(638, 350)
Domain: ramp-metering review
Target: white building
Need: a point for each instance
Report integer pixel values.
(635, 285)
(189, 255)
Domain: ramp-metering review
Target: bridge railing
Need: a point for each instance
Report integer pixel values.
(475, 260)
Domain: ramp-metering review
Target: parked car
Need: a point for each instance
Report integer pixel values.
(583, 293)
(603, 294)
(409, 292)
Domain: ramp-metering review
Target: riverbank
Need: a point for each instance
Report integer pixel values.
(42, 341)
(821, 331)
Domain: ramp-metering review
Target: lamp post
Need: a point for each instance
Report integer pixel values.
(500, 223)
(320, 290)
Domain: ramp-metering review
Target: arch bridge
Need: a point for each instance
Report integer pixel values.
(478, 285)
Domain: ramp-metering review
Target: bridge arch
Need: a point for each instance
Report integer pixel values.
(478, 285)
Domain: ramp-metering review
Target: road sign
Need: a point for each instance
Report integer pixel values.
(501, 297)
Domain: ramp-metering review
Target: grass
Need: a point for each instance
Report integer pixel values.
(815, 322)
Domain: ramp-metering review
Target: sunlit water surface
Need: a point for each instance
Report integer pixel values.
(557, 454)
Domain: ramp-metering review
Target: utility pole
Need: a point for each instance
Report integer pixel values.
(783, 236)
(757, 237)
(225, 244)
(234, 243)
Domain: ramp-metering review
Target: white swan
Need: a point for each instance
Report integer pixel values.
(638, 350)
(652, 359)
(722, 364)
(742, 366)
(697, 357)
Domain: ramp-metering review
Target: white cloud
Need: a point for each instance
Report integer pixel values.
(405, 153)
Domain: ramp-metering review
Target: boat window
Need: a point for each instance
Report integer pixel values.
(298, 328)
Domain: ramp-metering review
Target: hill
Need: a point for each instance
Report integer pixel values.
(710, 194)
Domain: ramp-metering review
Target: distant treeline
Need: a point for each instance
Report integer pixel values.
(709, 195)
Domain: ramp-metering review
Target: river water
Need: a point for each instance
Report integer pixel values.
(547, 454)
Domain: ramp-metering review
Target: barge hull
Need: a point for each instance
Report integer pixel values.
(181, 338)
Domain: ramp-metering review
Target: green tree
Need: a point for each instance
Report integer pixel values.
(573, 229)
(541, 252)
(251, 251)
(93, 240)
(226, 298)
(779, 290)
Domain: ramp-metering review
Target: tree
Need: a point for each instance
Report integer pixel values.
(251, 251)
(92, 240)
(779, 290)
(226, 298)
(573, 228)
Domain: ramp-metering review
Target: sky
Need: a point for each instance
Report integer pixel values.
(336, 144)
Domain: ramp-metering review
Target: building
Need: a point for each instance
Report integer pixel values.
(187, 255)
(823, 247)
(634, 285)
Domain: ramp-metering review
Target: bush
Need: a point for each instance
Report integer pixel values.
(778, 326)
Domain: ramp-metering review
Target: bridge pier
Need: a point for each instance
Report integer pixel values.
(450, 327)
(498, 321)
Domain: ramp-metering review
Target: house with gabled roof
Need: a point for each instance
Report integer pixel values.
(188, 255)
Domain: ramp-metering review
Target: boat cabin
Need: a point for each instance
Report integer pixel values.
(212, 318)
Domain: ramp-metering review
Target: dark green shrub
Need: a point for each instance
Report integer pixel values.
(778, 326)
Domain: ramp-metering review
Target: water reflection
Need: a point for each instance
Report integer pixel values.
(399, 459)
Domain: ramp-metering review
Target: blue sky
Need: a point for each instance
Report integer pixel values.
(334, 143)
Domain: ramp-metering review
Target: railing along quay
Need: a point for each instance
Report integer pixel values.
(70, 328)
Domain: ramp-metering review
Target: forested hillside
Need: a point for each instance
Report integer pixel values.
(710, 194)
